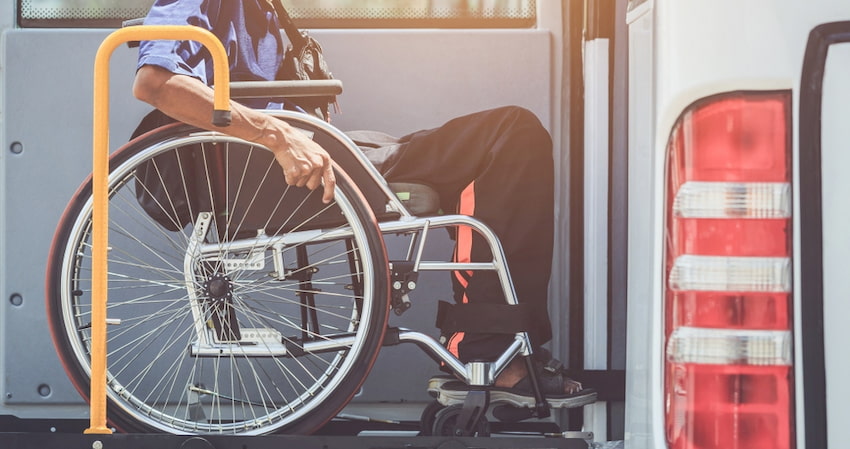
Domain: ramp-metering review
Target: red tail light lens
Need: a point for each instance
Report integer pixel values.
(728, 277)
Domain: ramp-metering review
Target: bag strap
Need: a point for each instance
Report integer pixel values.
(292, 31)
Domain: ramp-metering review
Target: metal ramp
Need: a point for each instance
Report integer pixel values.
(338, 434)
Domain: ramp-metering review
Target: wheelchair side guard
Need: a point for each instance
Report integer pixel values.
(419, 199)
(348, 156)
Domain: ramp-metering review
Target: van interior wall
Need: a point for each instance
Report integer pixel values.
(396, 81)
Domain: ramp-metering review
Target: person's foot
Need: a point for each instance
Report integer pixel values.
(516, 371)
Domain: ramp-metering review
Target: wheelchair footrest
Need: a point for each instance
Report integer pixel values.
(449, 391)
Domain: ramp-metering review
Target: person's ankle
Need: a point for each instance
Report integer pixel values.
(512, 374)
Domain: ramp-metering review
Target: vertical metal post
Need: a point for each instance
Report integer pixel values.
(100, 181)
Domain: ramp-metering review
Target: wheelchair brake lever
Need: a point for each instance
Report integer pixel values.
(403, 278)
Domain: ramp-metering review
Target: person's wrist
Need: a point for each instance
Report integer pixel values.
(275, 137)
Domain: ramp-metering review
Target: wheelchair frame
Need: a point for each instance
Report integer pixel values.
(260, 342)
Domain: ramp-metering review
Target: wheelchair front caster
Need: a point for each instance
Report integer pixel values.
(429, 417)
(446, 424)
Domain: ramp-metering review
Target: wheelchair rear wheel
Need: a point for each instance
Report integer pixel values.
(241, 306)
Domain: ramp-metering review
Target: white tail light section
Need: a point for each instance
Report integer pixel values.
(733, 200)
(728, 282)
(729, 347)
(731, 274)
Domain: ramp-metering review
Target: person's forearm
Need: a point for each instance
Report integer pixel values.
(190, 101)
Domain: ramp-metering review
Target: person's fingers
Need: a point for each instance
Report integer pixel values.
(329, 180)
(314, 179)
(288, 177)
(309, 170)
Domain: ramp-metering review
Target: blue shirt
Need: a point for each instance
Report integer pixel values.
(248, 29)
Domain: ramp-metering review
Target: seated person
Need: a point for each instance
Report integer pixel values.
(495, 165)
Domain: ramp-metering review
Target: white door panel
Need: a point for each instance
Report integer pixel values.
(835, 137)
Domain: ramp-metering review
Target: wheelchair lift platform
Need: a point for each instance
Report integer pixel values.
(338, 434)
(167, 441)
(19, 434)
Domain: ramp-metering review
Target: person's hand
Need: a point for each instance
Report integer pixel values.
(306, 164)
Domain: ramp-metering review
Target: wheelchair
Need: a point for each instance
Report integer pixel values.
(257, 309)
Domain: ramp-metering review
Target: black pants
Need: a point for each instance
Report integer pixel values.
(497, 166)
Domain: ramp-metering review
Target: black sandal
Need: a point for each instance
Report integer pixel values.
(551, 377)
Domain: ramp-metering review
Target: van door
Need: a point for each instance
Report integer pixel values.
(824, 240)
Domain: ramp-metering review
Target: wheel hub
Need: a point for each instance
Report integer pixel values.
(219, 288)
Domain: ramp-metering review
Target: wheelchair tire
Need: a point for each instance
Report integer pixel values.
(257, 325)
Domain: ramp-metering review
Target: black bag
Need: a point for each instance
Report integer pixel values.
(303, 60)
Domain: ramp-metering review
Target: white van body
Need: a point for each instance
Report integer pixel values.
(680, 53)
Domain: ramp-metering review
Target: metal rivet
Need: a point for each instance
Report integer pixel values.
(16, 148)
(16, 299)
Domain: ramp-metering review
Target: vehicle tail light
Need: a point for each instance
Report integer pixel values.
(728, 283)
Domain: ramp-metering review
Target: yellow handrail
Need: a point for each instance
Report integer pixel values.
(100, 181)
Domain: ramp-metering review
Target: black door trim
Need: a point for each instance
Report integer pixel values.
(811, 228)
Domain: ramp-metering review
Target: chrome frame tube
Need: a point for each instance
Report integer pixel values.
(467, 372)
(436, 350)
(398, 226)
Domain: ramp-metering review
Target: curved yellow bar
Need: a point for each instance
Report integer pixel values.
(100, 214)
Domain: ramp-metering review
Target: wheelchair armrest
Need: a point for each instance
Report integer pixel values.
(133, 22)
(285, 88)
